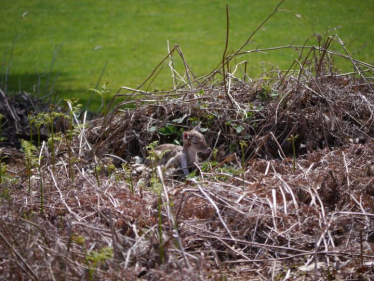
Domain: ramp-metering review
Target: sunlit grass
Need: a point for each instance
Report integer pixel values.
(131, 37)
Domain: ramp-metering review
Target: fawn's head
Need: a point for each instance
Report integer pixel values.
(194, 141)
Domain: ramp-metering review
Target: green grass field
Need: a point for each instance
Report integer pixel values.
(130, 38)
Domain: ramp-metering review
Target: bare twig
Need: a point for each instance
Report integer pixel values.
(224, 62)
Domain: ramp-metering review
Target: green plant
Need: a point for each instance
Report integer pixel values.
(46, 119)
(242, 145)
(1, 118)
(251, 111)
(203, 105)
(195, 120)
(194, 173)
(110, 168)
(33, 160)
(233, 146)
(152, 156)
(266, 88)
(209, 119)
(156, 187)
(79, 240)
(37, 121)
(238, 128)
(5, 181)
(207, 165)
(5, 193)
(127, 168)
(94, 258)
(51, 140)
(225, 169)
(74, 110)
(292, 138)
(30, 158)
(104, 93)
(168, 130)
(97, 174)
(267, 92)
(214, 154)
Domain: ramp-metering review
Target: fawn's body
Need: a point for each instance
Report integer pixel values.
(183, 156)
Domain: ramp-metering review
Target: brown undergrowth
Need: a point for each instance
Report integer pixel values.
(287, 194)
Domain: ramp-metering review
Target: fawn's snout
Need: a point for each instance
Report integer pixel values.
(207, 150)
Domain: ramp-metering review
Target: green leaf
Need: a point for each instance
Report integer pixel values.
(168, 130)
(194, 119)
(238, 128)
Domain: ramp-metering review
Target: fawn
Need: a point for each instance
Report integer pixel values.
(183, 156)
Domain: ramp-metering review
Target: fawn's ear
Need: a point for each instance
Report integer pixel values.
(197, 128)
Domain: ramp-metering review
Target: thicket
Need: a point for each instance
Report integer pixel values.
(288, 192)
